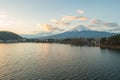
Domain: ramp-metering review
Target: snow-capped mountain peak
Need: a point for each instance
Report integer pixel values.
(79, 28)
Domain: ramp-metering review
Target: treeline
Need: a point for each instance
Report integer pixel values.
(111, 42)
(75, 41)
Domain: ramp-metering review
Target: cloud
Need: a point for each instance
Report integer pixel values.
(6, 20)
(49, 28)
(96, 21)
(80, 11)
(3, 16)
(60, 23)
(71, 18)
(112, 24)
(105, 24)
(65, 20)
(97, 27)
(114, 27)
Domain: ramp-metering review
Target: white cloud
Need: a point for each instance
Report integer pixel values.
(60, 23)
(48, 27)
(72, 18)
(80, 11)
(3, 16)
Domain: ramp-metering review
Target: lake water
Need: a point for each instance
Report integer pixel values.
(37, 61)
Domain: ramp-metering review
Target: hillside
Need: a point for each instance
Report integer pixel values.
(6, 35)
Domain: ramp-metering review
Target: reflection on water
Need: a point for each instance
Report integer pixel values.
(37, 61)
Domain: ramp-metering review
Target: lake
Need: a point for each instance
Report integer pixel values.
(44, 61)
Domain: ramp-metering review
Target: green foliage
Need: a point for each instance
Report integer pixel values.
(5, 35)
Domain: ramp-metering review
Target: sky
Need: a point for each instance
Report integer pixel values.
(55, 16)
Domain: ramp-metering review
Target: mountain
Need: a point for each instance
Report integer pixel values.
(6, 35)
(80, 32)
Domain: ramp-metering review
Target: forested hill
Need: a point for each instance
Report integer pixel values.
(6, 35)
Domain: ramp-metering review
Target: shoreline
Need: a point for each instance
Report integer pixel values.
(110, 47)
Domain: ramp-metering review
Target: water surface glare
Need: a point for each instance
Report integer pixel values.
(37, 61)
